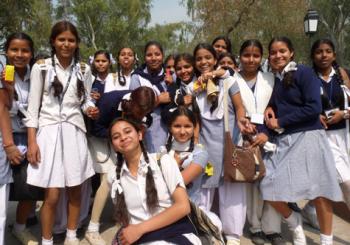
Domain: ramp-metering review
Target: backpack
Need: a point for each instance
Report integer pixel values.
(207, 232)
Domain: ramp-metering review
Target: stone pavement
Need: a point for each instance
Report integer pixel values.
(341, 230)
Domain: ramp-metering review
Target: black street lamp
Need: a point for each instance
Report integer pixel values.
(310, 22)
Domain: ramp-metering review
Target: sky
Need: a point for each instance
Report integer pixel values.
(167, 11)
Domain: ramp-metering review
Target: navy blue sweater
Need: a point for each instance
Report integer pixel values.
(108, 105)
(298, 106)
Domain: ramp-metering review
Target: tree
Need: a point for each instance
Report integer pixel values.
(107, 24)
(246, 19)
(32, 17)
(335, 24)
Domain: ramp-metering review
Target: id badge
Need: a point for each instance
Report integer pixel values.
(257, 118)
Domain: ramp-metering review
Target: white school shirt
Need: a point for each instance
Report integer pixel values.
(134, 188)
(50, 109)
(22, 90)
(112, 82)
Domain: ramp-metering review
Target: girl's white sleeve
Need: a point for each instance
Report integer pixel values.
(171, 173)
(87, 85)
(34, 98)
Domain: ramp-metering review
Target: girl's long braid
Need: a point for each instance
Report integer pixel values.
(56, 84)
(336, 67)
(121, 212)
(121, 77)
(288, 79)
(169, 142)
(191, 144)
(152, 195)
(81, 93)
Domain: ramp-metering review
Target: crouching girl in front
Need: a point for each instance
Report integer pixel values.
(148, 213)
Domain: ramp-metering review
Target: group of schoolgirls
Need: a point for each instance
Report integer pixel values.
(156, 137)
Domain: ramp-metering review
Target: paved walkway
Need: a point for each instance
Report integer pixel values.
(341, 230)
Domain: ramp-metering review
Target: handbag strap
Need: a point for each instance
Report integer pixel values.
(226, 105)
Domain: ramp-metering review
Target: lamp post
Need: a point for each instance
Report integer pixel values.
(310, 22)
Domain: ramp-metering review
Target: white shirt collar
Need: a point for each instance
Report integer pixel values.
(142, 168)
(329, 77)
(57, 62)
(292, 66)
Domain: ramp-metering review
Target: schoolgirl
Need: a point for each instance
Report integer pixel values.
(222, 44)
(14, 155)
(228, 61)
(112, 105)
(191, 157)
(148, 213)
(151, 74)
(334, 117)
(232, 201)
(298, 164)
(169, 66)
(125, 67)
(57, 145)
(181, 91)
(19, 50)
(256, 89)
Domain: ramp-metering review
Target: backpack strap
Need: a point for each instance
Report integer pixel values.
(43, 68)
(82, 67)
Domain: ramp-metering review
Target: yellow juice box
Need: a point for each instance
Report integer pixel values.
(9, 73)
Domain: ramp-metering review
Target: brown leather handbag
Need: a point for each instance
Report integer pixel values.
(241, 163)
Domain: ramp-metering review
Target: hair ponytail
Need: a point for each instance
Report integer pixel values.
(121, 212)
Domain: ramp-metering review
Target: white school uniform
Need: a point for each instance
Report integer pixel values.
(65, 159)
(135, 189)
(112, 82)
(261, 216)
(339, 141)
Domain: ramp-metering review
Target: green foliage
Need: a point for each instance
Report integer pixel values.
(32, 17)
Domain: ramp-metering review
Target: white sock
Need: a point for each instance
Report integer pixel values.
(326, 239)
(19, 227)
(93, 227)
(292, 221)
(71, 234)
(47, 242)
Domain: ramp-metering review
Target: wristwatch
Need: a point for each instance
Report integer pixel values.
(346, 114)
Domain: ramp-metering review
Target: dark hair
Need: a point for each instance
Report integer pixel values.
(142, 98)
(335, 64)
(180, 111)
(56, 30)
(169, 57)
(251, 42)
(153, 43)
(229, 55)
(99, 52)
(186, 57)
(226, 40)
(21, 36)
(207, 47)
(288, 79)
(284, 40)
(121, 77)
(121, 212)
(210, 49)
